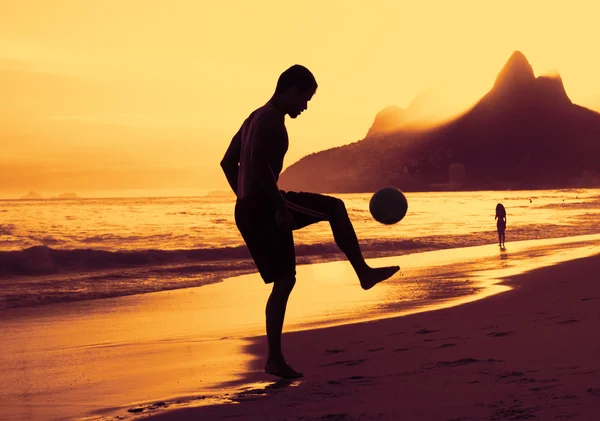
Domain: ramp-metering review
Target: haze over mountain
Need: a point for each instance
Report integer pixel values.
(524, 133)
(431, 107)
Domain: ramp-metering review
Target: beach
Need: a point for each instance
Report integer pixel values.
(395, 203)
(531, 352)
(171, 353)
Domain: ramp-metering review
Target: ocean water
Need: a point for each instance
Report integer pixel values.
(67, 250)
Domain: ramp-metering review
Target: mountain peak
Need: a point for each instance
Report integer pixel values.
(516, 72)
(386, 120)
(551, 88)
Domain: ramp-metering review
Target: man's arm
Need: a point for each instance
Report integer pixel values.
(231, 160)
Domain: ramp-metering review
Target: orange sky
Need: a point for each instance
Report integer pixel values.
(140, 93)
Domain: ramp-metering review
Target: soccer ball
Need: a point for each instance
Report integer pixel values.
(388, 205)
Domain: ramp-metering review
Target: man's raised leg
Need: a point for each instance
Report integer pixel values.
(345, 238)
(275, 313)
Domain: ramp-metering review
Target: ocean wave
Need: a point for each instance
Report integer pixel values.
(43, 275)
(43, 260)
(6, 229)
(572, 205)
(109, 284)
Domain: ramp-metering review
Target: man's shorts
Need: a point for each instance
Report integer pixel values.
(271, 247)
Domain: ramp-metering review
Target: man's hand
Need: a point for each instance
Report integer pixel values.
(284, 218)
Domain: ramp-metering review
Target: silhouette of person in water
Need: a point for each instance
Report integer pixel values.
(501, 223)
(266, 215)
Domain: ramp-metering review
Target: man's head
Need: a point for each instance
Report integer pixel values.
(295, 87)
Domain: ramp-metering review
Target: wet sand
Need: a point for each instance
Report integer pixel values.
(176, 348)
(532, 352)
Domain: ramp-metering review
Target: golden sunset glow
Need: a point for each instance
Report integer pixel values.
(434, 254)
(98, 95)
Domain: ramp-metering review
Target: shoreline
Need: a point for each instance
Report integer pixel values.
(508, 356)
(124, 281)
(255, 383)
(164, 345)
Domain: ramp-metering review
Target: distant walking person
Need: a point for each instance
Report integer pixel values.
(501, 224)
(266, 216)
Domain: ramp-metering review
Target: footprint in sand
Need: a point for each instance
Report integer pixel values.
(346, 362)
(542, 388)
(361, 379)
(457, 363)
(353, 379)
(500, 334)
(425, 331)
(511, 374)
(334, 351)
(408, 373)
(515, 413)
(332, 417)
(397, 333)
(553, 380)
(594, 391)
(567, 322)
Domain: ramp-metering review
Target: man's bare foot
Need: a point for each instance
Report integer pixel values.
(372, 276)
(281, 369)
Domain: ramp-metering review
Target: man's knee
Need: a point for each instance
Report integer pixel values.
(285, 284)
(339, 208)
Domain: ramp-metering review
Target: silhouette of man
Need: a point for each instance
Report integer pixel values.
(266, 216)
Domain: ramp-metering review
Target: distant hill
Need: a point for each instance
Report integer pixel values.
(32, 195)
(36, 195)
(524, 133)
